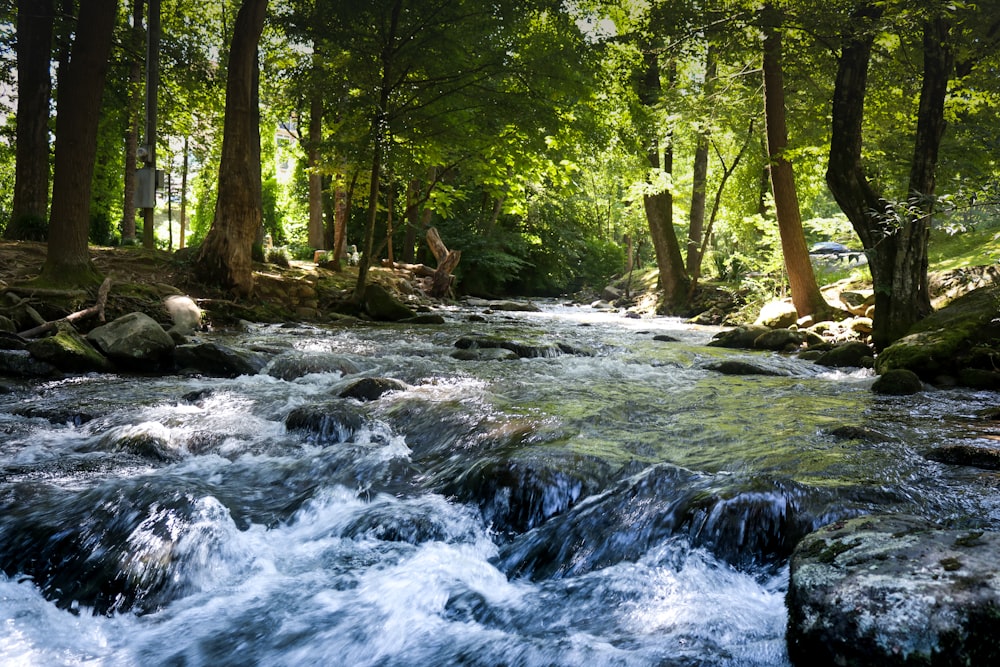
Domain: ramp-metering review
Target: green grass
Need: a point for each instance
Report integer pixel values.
(970, 248)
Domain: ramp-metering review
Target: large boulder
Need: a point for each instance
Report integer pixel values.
(964, 334)
(135, 341)
(382, 306)
(894, 590)
(68, 351)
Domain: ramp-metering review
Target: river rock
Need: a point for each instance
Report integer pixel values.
(68, 351)
(522, 349)
(424, 318)
(987, 458)
(291, 367)
(734, 367)
(894, 590)
(949, 340)
(370, 389)
(20, 363)
(217, 360)
(857, 302)
(514, 306)
(484, 354)
(849, 354)
(135, 341)
(382, 306)
(777, 315)
(779, 340)
(978, 378)
(741, 337)
(898, 382)
(336, 422)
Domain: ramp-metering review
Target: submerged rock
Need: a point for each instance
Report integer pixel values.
(331, 423)
(894, 590)
(291, 367)
(987, 458)
(217, 360)
(523, 350)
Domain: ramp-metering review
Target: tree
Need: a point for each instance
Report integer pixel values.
(658, 203)
(805, 292)
(225, 257)
(895, 237)
(31, 184)
(78, 104)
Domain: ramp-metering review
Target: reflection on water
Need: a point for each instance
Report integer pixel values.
(624, 508)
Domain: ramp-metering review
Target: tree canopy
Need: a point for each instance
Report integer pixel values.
(555, 144)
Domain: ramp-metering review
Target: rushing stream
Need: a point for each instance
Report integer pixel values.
(619, 504)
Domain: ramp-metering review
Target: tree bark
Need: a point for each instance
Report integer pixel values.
(895, 242)
(315, 229)
(673, 280)
(225, 258)
(67, 260)
(132, 120)
(380, 129)
(185, 167)
(805, 292)
(699, 185)
(34, 87)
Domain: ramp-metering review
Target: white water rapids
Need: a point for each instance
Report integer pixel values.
(662, 501)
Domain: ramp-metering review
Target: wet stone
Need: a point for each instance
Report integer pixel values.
(894, 590)
(370, 389)
(734, 367)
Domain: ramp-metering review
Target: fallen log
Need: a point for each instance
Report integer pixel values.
(97, 309)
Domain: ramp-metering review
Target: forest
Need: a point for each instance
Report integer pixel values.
(555, 144)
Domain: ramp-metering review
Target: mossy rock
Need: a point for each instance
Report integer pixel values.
(898, 382)
(68, 351)
(940, 343)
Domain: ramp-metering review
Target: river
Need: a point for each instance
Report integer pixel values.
(611, 502)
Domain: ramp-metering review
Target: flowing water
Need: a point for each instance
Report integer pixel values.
(608, 501)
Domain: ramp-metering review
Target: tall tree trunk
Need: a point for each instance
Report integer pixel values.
(225, 257)
(910, 270)
(674, 281)
(380, 131)
(185, 167)
(896, 245)
(78, 109)
(412, 217)
(699, 185)
(132, 119)
(34, 87)
(315, 230)
(805, 292)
